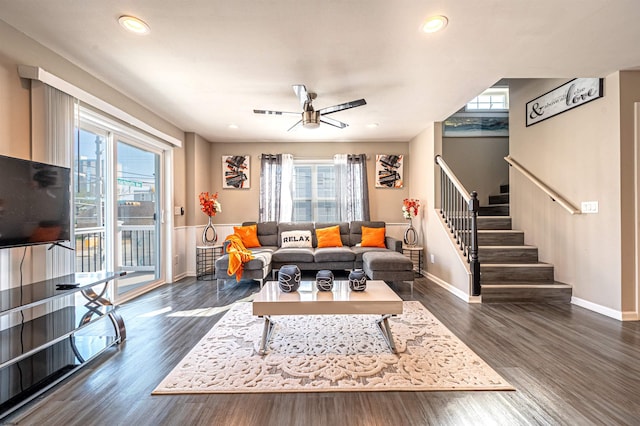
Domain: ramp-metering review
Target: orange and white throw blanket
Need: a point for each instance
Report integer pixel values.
(238, 256)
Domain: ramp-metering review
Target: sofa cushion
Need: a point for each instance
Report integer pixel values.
(295, 239)
(355, 231)
(386, 261)
(248, 234)
(293, 255)
(373, 237)
(359, 251)
(344, 230)
(334, 254)
(267, 232)
(329, 237)
(302, 226)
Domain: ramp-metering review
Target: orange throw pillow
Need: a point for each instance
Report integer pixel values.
(248, 235)
(373, 237)
(329, 237)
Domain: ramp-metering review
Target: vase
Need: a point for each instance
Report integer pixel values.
(209, 235)
(289, 278)
(410, 235)
(324, 280)
(357, 280)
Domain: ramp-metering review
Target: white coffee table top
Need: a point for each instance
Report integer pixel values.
(378, 299)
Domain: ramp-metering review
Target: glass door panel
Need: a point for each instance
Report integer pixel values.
(89, 177)
(138, 227)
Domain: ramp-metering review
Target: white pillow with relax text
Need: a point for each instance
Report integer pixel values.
(295, 239)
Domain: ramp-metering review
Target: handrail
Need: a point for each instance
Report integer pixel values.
(537, 182)
(460, 212)
(461, 189)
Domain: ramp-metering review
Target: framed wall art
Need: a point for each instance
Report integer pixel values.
(572, 94)
(474, 125)
(389, 171)
(235, 172)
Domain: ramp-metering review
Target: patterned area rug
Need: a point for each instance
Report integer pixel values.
(328, 353)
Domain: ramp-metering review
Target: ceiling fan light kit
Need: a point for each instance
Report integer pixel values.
(310, 118)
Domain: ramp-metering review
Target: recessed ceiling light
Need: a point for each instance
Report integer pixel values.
(134, 25)
(233, 126)
(434, 23)
(372, 125)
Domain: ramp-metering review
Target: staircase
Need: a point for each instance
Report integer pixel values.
(509, 270)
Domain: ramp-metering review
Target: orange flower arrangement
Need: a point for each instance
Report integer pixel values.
(410, 207)
(209, 204)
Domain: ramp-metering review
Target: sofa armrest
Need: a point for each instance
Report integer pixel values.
(393, 244)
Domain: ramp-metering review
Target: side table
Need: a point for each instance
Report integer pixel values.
(415, 253)
(206, 257)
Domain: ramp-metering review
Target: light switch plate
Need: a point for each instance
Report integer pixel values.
(589, 207)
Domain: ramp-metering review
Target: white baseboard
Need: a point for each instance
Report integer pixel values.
(451, 289)
(180, 276)
(603, 310)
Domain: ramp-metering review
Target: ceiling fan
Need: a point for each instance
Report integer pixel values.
(310, 117)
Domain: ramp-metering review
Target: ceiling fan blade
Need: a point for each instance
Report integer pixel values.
(291, 128)
(264, 111)
(333, 122)
(346, 105)
(301, 93)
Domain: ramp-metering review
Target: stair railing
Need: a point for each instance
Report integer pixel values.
(459, 208)
(537, 182)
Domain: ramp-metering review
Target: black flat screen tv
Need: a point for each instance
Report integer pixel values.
(35, 203)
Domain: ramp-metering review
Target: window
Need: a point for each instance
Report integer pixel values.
(494, 99)
(314, 191)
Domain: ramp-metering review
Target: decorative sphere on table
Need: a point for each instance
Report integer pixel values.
(289, 278)
(357, 280)
(324, 280)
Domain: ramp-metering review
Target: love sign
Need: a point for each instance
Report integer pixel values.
(575, 93)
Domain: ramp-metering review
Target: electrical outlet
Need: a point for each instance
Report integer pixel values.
(589, 207)
(433, 258)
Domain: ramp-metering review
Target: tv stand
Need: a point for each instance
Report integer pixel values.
(43, 351)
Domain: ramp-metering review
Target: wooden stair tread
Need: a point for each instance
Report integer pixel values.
(515, 265)
(520, 247)
(524, 284)
(500, 231)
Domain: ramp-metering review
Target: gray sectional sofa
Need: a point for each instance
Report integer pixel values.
(387, 263)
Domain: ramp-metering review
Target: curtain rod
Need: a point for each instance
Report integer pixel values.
(295, 157)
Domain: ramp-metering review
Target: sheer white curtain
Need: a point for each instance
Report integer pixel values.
(352, 190)
(276, 180)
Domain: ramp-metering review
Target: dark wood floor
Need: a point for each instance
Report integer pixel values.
(570, 367)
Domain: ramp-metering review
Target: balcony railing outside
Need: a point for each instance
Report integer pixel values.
(137, 248)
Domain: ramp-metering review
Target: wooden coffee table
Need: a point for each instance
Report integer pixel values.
(377, 299)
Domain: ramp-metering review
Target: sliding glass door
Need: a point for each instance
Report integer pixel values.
(118, 195)
(137, 215)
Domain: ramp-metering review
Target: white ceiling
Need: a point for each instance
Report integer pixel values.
(208, 63)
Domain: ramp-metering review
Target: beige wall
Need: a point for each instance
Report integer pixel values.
(449, 268)
(199, 172)
(478, 163)
(629, 96)
(578, 153)
(15, 133)
(240, 205)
